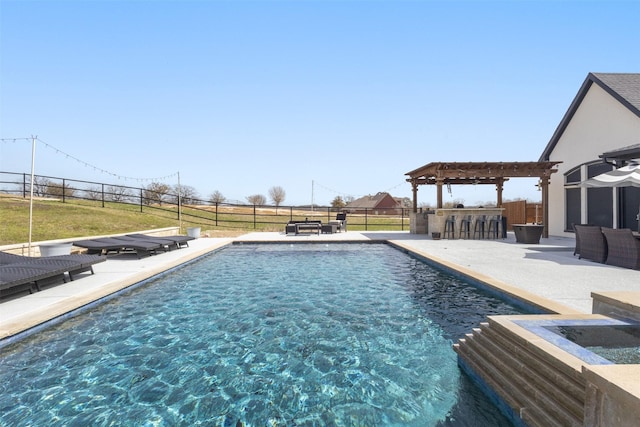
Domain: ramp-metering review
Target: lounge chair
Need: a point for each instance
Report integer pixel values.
(590, 243)
(178, 241)
(108, 245)
(624, 248)
(23, 276)
(17, 270)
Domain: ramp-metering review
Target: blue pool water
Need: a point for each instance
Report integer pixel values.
(261, 335)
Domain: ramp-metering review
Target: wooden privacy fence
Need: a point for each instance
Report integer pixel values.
(522, 212)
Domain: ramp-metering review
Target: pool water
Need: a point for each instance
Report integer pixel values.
(261, 335)
(619, 344)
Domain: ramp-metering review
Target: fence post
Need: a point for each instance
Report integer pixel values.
(366, 223)
(254, 217)
(216, 214)
(63, 190)
(290, 213)
(102, 195)
(141, 200)
(24, 185)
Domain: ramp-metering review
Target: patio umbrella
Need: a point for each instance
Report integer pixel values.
(626, 176)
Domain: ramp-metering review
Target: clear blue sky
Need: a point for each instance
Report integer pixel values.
(241, 96)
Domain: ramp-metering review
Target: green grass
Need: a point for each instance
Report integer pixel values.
(55, 220)
(76, 218)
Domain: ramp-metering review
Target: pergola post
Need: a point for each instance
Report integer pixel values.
(544, 184)
(439, 183)
(499, 187)
(414, 189)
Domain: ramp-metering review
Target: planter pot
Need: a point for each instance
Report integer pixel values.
(53, 249)
(193, 232)
(435, 235)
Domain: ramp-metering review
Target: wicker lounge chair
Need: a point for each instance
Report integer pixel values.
(108, 245)
(14, 277)
(177, 241)
(624, 248)
(590, 243)
(22, 273)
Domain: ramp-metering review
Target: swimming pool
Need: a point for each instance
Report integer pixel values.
(276, 334)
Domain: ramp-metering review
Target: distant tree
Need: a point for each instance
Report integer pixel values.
(217, 197)
(156, 192)
(277, 196)
(58, 189)
(93, 193)
(118, 193)
(406, 202)
(188, 195)
(338, 203)
(257, 199)
(40, 185)
(348, 199)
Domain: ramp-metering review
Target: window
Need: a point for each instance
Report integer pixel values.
(574, 176)
(572, 208)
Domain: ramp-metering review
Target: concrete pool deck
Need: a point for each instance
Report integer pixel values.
(548, 274)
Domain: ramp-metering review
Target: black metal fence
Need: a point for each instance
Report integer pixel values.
(191, 211)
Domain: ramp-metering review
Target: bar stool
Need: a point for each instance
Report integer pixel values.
(480, 227)
(465, 227)
(494, 226)
(450, 227)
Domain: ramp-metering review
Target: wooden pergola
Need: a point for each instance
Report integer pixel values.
(478, 173)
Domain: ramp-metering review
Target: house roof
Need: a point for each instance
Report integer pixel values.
(624, 87)
(624, 153)
(368, 201)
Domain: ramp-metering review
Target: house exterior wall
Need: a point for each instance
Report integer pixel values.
(601, 123)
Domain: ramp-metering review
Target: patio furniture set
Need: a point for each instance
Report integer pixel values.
(316, 226)
(619, 247)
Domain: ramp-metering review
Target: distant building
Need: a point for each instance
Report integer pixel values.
(380, 204)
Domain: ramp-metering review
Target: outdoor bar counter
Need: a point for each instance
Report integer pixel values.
(433, 221)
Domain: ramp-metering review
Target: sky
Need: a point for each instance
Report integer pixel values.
(322, 98)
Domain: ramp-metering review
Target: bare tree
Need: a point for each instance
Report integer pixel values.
(40, 185)
(257, 199)
(216, 197)
(156, 192)
(93, 193)
(188, 194)
(118, 193)
(277, 195)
